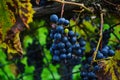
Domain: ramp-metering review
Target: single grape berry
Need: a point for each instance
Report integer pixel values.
(61, 20)
(54, 18)
(82, 43)
(111, 53)
(65, 39)
(71, 33)
(66, 31)
(100, 55)
(56, 52)
(73, 40)
(66, 22)
(57, 36)
(91, 75)
(61, 45)
(62, 56)
(59, 28)
(104, 51)
(56, 58)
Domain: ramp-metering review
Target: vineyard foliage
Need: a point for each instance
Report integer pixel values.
(15, 15)
(17, 37)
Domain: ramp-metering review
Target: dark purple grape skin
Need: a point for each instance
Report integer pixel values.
(69, 56)
(69, 50)
(73, 40)
(60, 29)
(56, 52)
(82, 43)
(56, 58)
(68, 44)
(63, 56)
(65, 39)
(61, 20)
(91, 75)
(79, 52)
(104, 51)
(61, 45)
(83, 74)
(57, 36)
(77, 46)
(66, 22)
(96, 68)
(54, 18)
(71, 33)
(63, 50)
(100, 55)
(111, 53)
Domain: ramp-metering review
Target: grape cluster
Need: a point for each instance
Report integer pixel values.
(88, 70)
(105, 52)
(35, 58)
(66, 43)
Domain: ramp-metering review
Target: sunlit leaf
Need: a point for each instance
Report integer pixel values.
(110, 68)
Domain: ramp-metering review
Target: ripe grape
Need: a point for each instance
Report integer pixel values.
(54, 18)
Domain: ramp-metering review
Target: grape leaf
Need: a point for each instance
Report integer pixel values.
(110, 69)
(17, 15)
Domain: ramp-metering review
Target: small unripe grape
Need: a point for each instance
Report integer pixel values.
(66, 31)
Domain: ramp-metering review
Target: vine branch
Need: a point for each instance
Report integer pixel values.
(73, 3)
(100, 39)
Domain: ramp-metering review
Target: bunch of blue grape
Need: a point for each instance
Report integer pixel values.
(66, 43)
(89, 69)
(35, 58)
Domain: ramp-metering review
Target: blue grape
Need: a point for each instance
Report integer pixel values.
(56, 58)
(100, 55)
(83, 48)
(91, 75)
(68, 44)
(66, 22)
(54, 18)
(105, 52)
(83, 74)
(53, 46)
(61, 20)
(63, 56)
(77, 46)
(63, 50)
(69, 50)
(73, 40)
(65, 39)
(111, 53)
(61, 45)
(57, 36)
(69, 56)
(71, 33)
(82, 43)
(59, 29)
(96, 68)
(79, 52)
(56, 52)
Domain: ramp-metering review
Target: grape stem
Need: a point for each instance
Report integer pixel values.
(100, 39)
(73, 3)
(62, 11)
